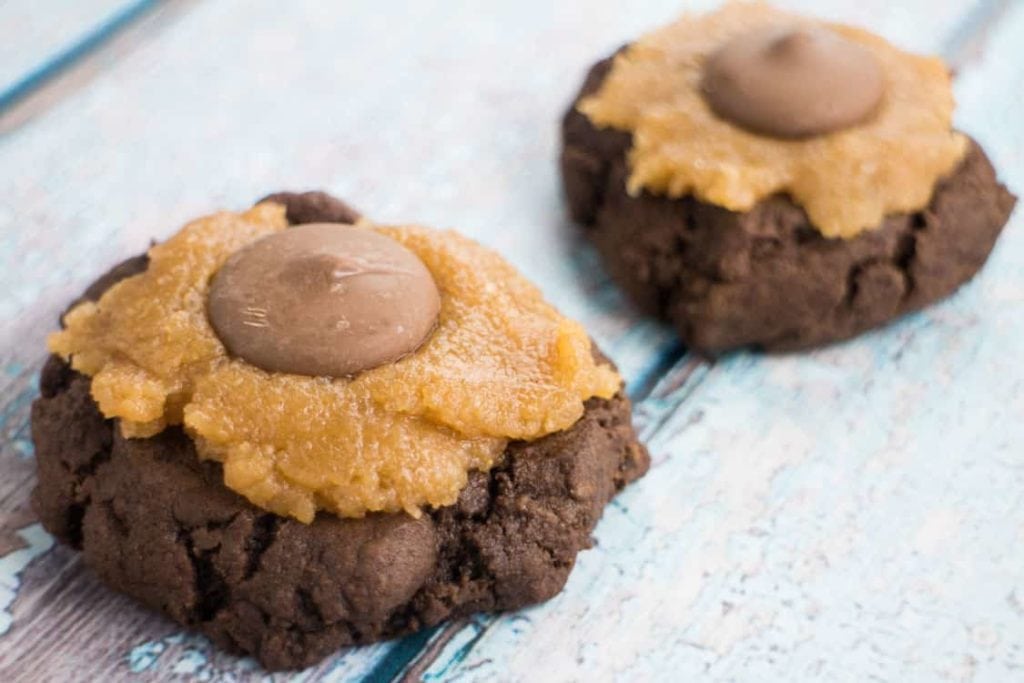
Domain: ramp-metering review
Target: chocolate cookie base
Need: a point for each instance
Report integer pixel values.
(767, 278)
(156, 523)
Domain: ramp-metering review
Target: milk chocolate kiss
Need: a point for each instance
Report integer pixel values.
(793, 83)
(324, 300)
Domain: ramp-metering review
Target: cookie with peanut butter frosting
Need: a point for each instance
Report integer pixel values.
(690, 93)
(765, 179)
(351, 369)
(291, 505)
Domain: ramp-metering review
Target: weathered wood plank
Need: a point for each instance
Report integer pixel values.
(449, 119)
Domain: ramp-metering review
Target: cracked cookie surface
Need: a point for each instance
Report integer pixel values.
(157, 523)
(766, 277)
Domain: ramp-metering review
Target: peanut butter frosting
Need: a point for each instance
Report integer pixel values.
(501, 364)
(846, 180)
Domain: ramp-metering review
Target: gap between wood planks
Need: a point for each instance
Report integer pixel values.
(76, 48)
(968, 41)
(75, 67)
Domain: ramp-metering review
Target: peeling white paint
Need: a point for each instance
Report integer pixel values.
(14, 563)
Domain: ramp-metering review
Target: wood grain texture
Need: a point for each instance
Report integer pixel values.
(850, 513)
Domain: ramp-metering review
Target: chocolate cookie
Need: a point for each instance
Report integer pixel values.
(155, 522)
(767, 278)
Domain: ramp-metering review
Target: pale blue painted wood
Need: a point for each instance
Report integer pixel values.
(798, 522)
(39, 38)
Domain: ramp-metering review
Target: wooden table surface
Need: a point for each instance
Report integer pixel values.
(855, 513)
